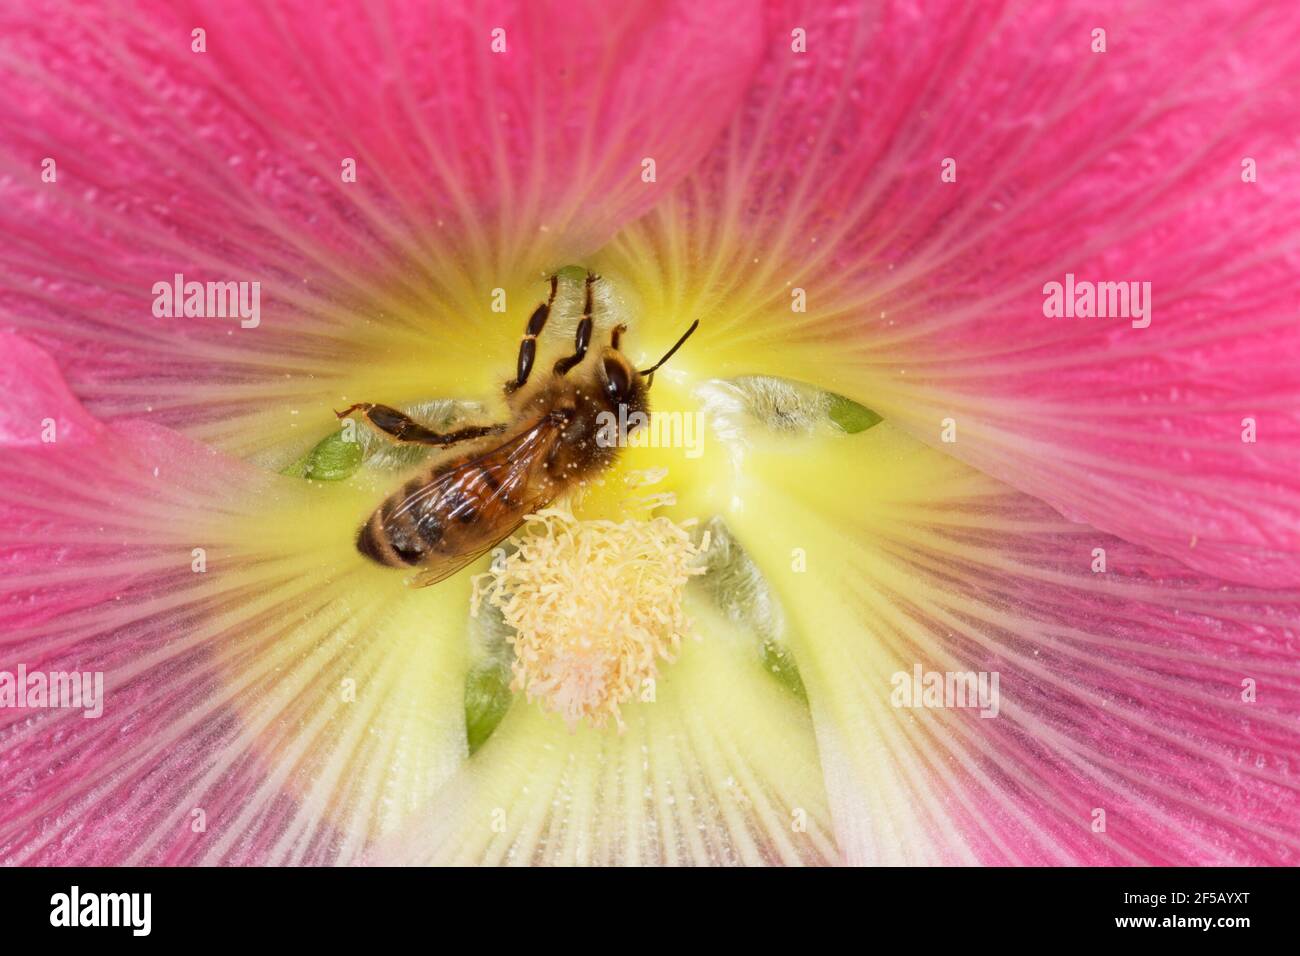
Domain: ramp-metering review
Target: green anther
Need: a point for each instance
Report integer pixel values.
(487, 698)
(573, 273)
(850, 416)
(333, 459)
(780, 664)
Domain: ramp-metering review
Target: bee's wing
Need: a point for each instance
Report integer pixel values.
(499, 485)
(444, 566)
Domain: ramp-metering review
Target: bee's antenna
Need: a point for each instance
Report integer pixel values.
(669, 354)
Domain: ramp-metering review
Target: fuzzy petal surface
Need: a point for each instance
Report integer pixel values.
(821, 241)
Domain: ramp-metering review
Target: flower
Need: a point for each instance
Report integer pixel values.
(912, 467)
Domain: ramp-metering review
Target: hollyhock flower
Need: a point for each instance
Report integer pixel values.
(911, 467)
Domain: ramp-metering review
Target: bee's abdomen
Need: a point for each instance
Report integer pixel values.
(403, 539)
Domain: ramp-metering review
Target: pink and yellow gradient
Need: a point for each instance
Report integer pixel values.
(775, 170)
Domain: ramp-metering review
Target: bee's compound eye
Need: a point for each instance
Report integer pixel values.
(618, 381)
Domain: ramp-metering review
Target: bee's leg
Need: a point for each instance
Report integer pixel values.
(528, 347)
(406, 429)
(583, 337)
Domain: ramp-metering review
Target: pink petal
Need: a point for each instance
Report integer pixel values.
(475, 170)
(1121, 690)
(925, 298)
(221, 688)
(87, 588)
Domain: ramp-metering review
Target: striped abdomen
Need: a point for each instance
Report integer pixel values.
(447, 516)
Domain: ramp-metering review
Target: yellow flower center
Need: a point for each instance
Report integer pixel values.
(594, 606)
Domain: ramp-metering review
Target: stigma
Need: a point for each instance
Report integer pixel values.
(595, 606)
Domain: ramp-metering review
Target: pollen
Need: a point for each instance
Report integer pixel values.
(594, 607)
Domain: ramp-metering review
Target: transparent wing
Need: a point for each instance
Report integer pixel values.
(498, 488)
(442, 567)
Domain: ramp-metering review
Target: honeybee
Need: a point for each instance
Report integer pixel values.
(465, 503)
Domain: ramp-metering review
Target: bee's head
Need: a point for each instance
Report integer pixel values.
(620, 382)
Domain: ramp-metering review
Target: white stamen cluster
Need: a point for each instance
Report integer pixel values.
(594, 606)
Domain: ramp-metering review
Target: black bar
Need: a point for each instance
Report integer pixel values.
(970, 906)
